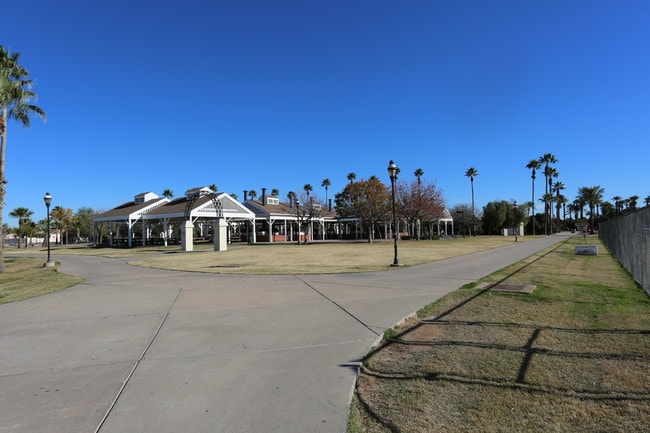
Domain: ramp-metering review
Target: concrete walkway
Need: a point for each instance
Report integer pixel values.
(142, 350)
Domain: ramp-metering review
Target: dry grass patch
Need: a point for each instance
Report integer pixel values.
(573, 356)
(292, 259)
(318, 258)
(26, 277)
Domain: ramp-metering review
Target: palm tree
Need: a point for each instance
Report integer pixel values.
(547, 159)
(618, 200)
(326, 183)
(23, 214)
(533, 165)
(352, 176)
(308, 188)
(252, 194)
(168, 193)
(550, 173)
(578, 207)
(592, 196)
(557, 187)
(418, 173)
(275, 192)
(633, 200)
(213, 187)
(647, 200)
(16, 99)
(471, 173)
(571, 208)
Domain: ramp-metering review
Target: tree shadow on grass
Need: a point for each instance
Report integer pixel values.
(563, 362)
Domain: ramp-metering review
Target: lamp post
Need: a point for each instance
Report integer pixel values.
(299, 219)
(392, 172)
(514, 218)
(532, 211)
(48, 201)
(462, 217)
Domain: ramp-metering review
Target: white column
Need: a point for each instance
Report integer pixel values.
(187, 236)
(165, 222)
(220, 234)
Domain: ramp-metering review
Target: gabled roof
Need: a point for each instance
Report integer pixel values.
(446, 216)
(159, 208)
(281, 209)
(261, 209)
(130, 210)
(202, 207)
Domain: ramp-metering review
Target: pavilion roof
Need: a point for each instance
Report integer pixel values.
(129, 210)
(281, 209)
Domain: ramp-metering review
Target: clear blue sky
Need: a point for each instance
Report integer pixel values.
(143, 96)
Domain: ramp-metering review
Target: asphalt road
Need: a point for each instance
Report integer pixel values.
(143, 350)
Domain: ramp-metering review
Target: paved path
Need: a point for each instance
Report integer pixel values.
(142, 350)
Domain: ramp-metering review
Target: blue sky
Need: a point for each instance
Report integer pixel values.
(144, 96)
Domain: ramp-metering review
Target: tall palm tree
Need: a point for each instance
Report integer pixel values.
(16, 99)
(168, 193)
(547, 159)
(647, 200)
(352, 176)
(418, 173)
(549, 174)
(564, 202)
(326, 183)
(472, 173)
(252, 194)
(308, 188)
(557, 187)
(23, 214)
(533, 165)
(633, 200)
(213, 187)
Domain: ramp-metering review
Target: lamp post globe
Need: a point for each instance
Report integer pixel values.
(392, 173)
(48, 201)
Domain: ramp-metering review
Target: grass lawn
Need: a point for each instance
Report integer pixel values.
(26, 277)
(292, 259)
(572, 356)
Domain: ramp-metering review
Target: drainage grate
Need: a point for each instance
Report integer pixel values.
(517, 288)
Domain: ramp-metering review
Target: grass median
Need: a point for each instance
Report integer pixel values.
(571, 356)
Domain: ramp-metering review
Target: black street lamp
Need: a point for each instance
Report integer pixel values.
(299, 218)
(392, 172)
(514, 218)
(462, 217)
(532, 211)
(48, 201)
